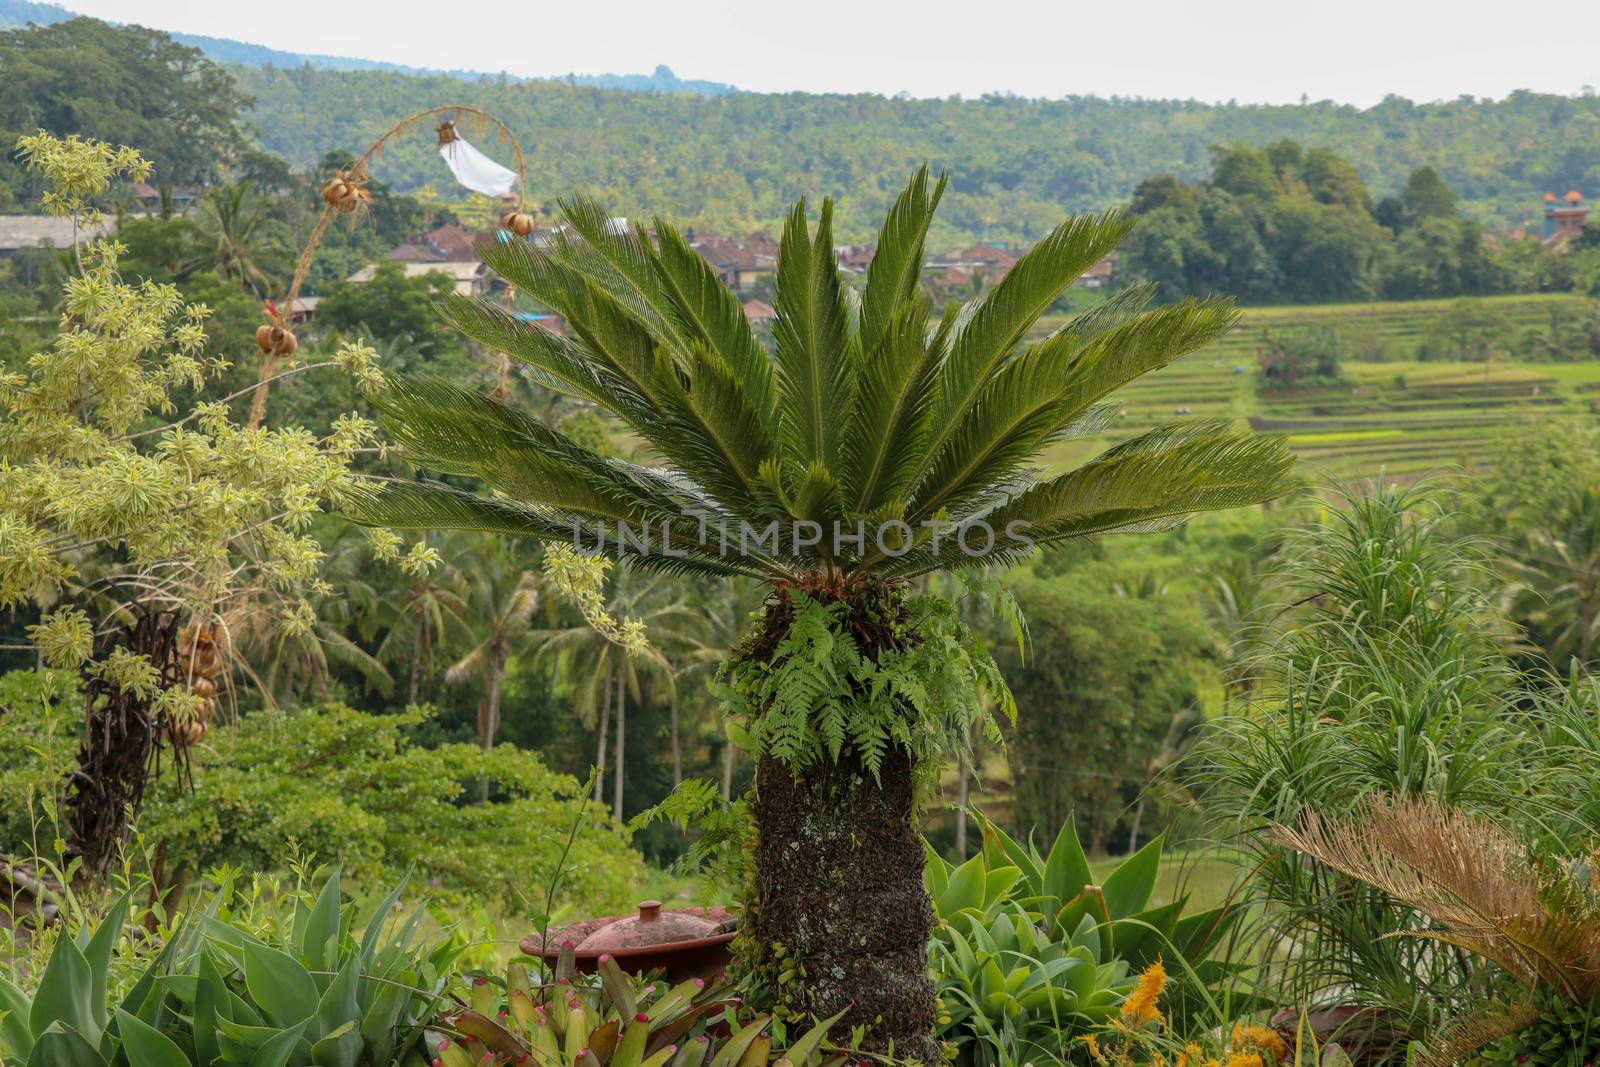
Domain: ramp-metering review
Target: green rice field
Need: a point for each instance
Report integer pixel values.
(1393, 415)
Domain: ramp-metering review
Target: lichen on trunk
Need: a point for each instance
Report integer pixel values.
(836, 916)
(840, 918)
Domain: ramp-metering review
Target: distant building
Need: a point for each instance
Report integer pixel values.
(469, 278)
(759, 312)
(304, 308)
(739, 265)
(854, 259)
(149, 198)
(1563, 218)
(1098, 276)
(19, 232)
(444, 244)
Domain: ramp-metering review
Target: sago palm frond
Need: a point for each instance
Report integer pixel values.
(869, 413)
(1482, 888)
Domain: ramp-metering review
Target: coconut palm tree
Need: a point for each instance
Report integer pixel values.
(234, 220)
(502, 599)
(429, 607)
(1555, 580)
(599, 665)
(877, 441)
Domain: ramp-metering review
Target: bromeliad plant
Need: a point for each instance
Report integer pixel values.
(1031, 954)
(617, 1021)
(878, 440)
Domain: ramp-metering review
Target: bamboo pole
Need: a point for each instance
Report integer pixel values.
(360, 174)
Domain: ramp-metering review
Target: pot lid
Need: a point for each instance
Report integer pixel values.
(650, 927)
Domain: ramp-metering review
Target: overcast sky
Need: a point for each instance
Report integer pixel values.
(1354, 51)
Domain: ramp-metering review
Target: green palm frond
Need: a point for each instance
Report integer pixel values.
(869, 409)
(1003, 318)
(810, 341)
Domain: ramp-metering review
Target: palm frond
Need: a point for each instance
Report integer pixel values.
(436, 506)
(1166, 473)
(1483, 888)
(997, 323)
(556, 362)
(810, 336)
(1463, 1036)
(711, 314)
(896, 266)
(1118, 352)
(889, 417)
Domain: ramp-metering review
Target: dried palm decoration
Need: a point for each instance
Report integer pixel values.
(346, 193)
(1485, 891)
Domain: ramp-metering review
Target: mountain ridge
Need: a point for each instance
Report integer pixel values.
(17, 13)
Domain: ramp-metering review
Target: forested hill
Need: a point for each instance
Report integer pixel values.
(734, 162)
(15, 13)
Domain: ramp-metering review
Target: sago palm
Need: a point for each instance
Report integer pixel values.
(878, 440)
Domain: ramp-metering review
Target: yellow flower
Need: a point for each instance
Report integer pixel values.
(1141, 1005)
(1261, 1039)
(1245, 1059)
(1094, 1047)
(1190, 1055)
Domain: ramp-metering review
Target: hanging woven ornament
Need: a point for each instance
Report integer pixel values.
(471, 167)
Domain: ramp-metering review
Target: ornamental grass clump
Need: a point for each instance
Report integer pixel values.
(879, 439)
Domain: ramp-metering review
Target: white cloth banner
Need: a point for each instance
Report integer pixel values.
(475, 170)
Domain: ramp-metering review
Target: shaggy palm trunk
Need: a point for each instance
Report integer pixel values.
(122, 740)
(839, 887)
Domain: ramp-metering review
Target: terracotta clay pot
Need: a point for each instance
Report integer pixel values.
(1367, 1035)
(684, 942)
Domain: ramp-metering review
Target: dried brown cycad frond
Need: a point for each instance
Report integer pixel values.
(1472, 878)
(1463, 1036)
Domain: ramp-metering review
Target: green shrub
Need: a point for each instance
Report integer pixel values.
(41, 716)
(614, 1020)
(1566, 1035)
(343, 785)
(351, 786)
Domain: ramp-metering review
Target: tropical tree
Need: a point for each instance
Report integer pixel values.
(877, 441)
(234, 221)
(137, 516)
(430, 606)
(502, 599)
(598, 663)
(1554, 574)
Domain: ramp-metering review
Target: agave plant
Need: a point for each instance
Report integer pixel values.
(217, 996)
(1031, 952)
(617, 1021)
(878, 440)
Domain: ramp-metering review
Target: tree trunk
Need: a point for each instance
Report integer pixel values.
(1138, 817)
(417, 649)
(677, 748)
(839, 886)
(600, 747)
(963, 798)
(491, 724)
(622, 724)
(121, 747)
(727, 769)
